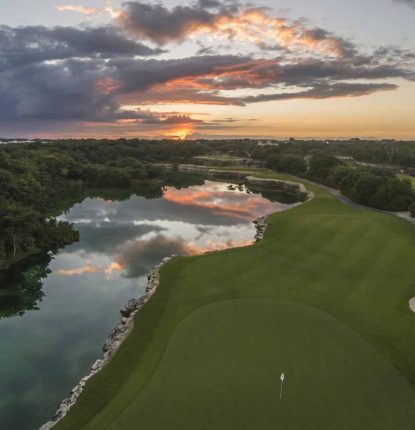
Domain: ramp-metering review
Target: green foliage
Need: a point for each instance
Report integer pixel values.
(32, 175)
(289, 163)
(112, 177)
(320, 167)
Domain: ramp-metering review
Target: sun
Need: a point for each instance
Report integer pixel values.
(179, 133)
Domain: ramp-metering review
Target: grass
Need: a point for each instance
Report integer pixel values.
(324, 298)
(411, 178)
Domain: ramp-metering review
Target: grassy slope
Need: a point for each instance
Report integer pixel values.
(411, 178)
(353, 267)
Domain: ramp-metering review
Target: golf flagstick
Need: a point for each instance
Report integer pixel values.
(282, 383)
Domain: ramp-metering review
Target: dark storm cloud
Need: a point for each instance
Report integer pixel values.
(319, 79)
(91, 89)
(25, 45)
(140, 75)
(54, 91)
(160, 24)
(87, 89)
(324, 91)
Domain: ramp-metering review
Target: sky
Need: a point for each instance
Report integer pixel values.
(207, 69)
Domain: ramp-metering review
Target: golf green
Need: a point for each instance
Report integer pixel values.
(323, 298)
(224, 361)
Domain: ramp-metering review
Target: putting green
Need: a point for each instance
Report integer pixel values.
(324, 298)
(222, 367)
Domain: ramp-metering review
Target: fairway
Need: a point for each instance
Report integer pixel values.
(323, 298)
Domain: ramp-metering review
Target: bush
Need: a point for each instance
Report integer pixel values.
(288, 163)
(321, 166)
(113, 177)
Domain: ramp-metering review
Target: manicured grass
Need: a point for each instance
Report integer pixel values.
(411, 178)
(324, 298)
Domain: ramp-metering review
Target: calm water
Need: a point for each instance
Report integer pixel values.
(55, 313)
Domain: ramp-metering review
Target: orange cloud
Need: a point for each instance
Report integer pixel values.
(210, 245)
(113, 267)
(88, 11)
(107, 85)
(88, 268)
(253, 25)
(219, 202)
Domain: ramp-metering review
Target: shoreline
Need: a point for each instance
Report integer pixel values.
(121, 331)
(114, 340)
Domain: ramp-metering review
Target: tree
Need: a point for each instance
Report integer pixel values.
(320, 167)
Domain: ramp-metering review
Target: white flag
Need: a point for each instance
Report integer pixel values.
(282, 377)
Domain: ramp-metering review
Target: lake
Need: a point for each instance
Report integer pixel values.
(55, 312)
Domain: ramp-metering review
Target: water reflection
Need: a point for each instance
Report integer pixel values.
(126, 238)
(79, 292)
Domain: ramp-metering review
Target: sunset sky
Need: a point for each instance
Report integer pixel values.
(303, 68)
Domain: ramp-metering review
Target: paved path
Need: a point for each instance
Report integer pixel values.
(403, 215)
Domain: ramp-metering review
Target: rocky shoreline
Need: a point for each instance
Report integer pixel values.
(120, 332)
(117, 335)
(260, 226)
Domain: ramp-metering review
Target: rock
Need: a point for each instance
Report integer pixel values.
(130, 307)
(113, 341)
(260, 226)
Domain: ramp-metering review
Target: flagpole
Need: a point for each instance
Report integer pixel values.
(282, 382)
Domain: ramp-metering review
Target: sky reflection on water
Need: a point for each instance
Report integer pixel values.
(50, 349)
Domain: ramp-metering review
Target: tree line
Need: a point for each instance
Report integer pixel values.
(367, 185)
(34, 175)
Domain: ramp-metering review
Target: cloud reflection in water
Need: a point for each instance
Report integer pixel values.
(128, 238)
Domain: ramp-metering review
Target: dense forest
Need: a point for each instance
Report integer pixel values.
(35, 175)
(371, 185)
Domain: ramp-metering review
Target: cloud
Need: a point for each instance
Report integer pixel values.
(410, 3)
(310, 78)
(163, 25)
(25, 45)
(100, 75)
(88, 11)
(325, 91)
(95, 89)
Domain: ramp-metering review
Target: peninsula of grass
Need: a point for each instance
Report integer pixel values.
(323, 298)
